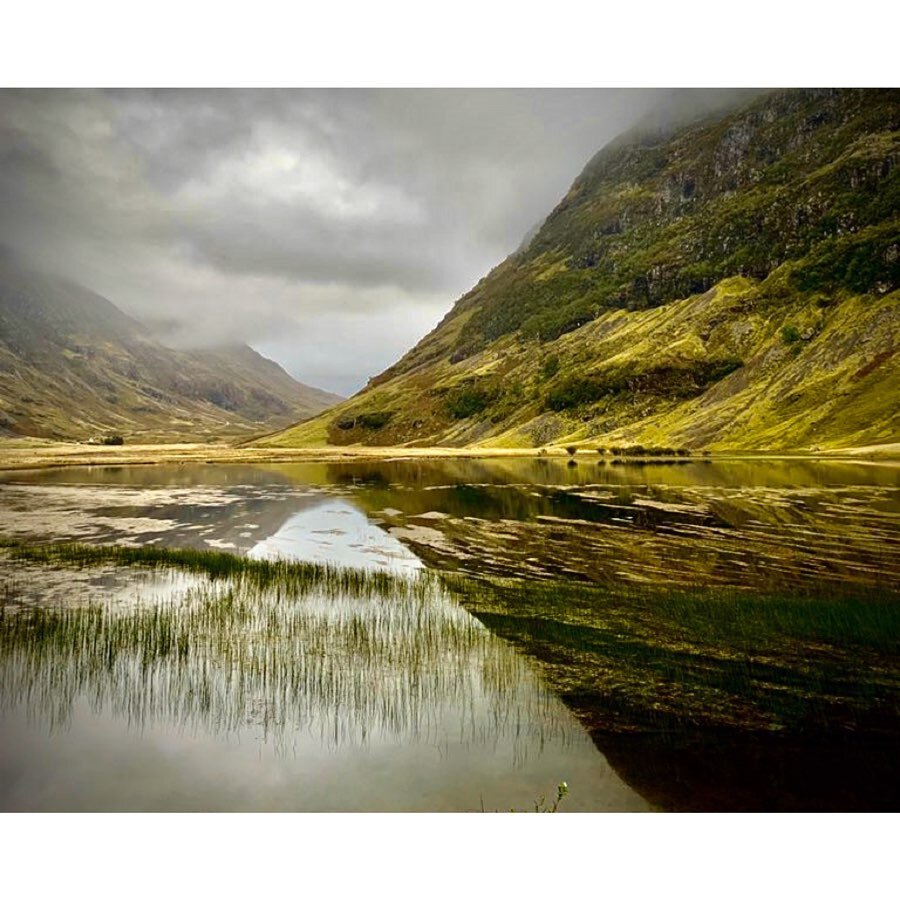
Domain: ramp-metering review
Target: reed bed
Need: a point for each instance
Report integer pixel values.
(289, 642)
(277, 646)
(289, 575)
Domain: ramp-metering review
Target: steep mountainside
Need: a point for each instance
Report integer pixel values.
(732, 284)
(72, 365)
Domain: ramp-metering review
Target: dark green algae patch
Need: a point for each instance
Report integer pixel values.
(702, 698)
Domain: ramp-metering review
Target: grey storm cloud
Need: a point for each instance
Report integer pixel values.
(331, 229)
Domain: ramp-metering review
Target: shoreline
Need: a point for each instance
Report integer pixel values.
(64, 455)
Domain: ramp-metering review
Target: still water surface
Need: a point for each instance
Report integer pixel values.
(383, 702)
(735, 522)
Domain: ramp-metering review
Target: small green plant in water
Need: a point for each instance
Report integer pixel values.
(541, 805)
(561, 790)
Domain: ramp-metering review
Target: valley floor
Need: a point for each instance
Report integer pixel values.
(22, 454)
(30, 453)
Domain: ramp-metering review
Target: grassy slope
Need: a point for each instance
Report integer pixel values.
(765, 242)
(833, 389)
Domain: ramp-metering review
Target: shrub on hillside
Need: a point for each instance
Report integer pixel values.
(549, 367)
(575, 391)
(370, 420)
(373, 420)
(468, 400)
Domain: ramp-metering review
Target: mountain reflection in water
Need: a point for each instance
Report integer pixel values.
(391, 703)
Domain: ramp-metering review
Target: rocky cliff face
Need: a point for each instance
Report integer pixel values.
(731, 284)
(73, 366)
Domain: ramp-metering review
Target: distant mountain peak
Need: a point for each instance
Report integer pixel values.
(74, 366)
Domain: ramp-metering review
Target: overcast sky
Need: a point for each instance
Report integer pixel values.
(328, 229)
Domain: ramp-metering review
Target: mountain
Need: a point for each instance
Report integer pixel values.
(74, 366)
(730, 283)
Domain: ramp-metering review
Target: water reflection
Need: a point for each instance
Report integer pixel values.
(324, 702)
(335, 531)
(739, 522)
(317, 680)
(747, 523)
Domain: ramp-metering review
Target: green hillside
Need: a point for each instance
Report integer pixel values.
(732, 284)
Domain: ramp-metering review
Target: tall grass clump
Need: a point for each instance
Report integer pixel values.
(293, 639)
(286, 574)
(278, 645)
